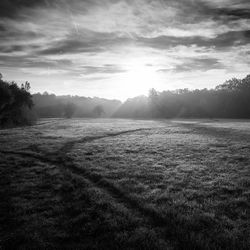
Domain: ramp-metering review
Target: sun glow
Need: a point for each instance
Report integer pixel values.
(138, 79)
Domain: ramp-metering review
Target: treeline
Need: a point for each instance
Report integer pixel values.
(49, 105)
(15, 104)
(18, 107)
(228, 100)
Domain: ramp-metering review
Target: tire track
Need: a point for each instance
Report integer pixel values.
(171, 227)
(48, 156)
(60, 159)
(68, 145)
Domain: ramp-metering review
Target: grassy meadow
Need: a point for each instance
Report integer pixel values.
(125, 184)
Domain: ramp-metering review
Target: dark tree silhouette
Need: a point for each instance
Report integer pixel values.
(15, 104)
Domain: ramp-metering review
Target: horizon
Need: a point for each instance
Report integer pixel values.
(116, 99)
(121, 49)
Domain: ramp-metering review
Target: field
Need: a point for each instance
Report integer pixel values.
(125, 184)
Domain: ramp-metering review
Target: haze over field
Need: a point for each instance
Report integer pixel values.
(120, 49)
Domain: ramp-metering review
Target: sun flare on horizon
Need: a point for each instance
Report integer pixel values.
(138, 79)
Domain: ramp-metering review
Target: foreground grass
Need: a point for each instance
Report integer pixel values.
(120, 184)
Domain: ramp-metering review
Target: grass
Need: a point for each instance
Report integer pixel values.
(125, 184)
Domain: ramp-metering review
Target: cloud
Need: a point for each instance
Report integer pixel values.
(194, 64)
(226, 10)
(94, 40)
(88, 41)
(12, 8)
(105, 69)
(11, 34)
(224, 40)
(233, 14)
(199, 64)
(33, 62)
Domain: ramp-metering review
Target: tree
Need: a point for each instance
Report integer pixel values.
(69, 109)
(25, 86)
(228, 100)
(232, 84)
(15, 104)
(154, 105)
(98, 111)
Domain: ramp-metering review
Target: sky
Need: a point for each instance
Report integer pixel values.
(118, 49)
